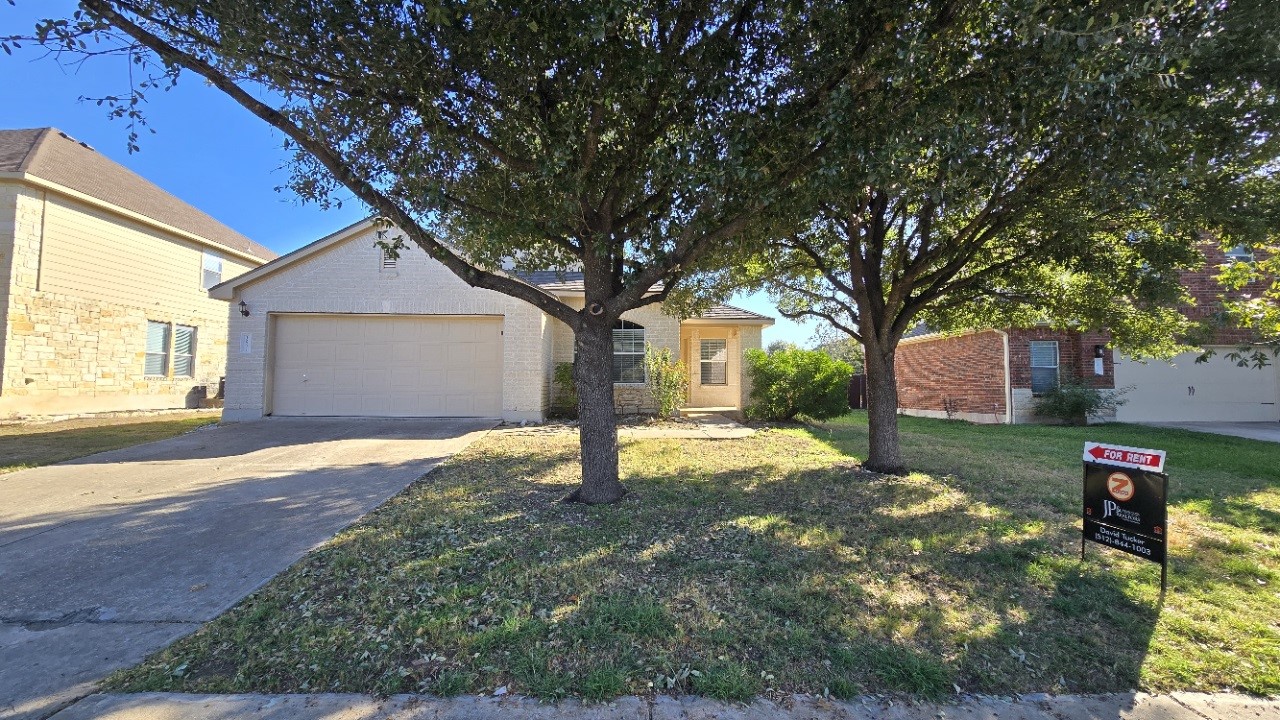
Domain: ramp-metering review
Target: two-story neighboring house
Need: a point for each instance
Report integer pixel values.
(103, 284)
(995, 375)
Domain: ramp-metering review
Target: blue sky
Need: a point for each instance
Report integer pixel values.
(206, 149)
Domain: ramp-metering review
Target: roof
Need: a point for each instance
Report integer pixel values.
(917, 330)
(55, 157)
(737, 314)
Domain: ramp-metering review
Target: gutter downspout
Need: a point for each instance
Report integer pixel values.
(1008, 382)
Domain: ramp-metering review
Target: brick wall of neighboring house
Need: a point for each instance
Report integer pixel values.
(1206, 295)
(1075, 362)
(66, 352)
(960, 376)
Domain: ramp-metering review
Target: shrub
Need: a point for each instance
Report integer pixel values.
(668, 379)
(1073, 402)
(564, 400)
(792, 381)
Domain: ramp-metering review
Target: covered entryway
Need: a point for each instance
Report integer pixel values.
(1214, 391)
(386, 365)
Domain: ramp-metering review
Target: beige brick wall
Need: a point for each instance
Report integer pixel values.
(660, 330)
(348, 278)
(68, 353)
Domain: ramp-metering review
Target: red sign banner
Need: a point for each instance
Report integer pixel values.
(1136, 458)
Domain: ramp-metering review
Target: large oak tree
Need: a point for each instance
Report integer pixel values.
(1030, 162)
(635, 141)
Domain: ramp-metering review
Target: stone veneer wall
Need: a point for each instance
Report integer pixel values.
(67, 354)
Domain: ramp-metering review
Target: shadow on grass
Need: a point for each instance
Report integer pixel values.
(724, 575)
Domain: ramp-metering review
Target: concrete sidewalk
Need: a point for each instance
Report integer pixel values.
(1129, 706)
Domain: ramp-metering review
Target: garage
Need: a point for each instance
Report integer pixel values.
(1214, 391)
(386, 365)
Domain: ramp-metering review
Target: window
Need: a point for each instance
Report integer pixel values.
(157, 362)
(1044, 366)
(1240, 253)
(715, 362)
(184, 351)
(212, 270)
(628, 352)
(170, 347)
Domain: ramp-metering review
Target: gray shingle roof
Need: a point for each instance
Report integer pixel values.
(570, 281)
(917, 330)
(54, 156)
(729, 312)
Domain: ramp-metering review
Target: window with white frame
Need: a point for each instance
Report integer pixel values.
(212, 274)
(171, 350)
(628, 352)
(715, 362)
(1044, 366)
(184, 351)
(157, 361)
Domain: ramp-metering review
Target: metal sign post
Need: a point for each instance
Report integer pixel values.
(1126, 502)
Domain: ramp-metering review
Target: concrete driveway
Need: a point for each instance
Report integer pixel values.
(1265, 431)
(106, 559)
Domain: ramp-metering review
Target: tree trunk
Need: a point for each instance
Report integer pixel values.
(597, 420)
(885, 452)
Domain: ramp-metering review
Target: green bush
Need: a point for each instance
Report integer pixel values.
(668, 379)
(564, 399)
(1073, 402)
(792, 381)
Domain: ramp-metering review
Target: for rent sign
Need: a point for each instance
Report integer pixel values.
(1125, 493)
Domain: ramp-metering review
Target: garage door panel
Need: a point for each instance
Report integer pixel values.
(1186, 391)
(400, 366)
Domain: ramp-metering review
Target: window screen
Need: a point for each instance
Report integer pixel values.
(212, 270)
(157, 362)
(715, 361)
(628, 353)
(184, 351)
(1044, 366)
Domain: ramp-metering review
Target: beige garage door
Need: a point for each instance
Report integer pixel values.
(387, 366)
(1184, 390)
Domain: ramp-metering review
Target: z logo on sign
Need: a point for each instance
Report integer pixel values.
(1120, 486)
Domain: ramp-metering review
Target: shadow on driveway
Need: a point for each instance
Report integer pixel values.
(110, 557)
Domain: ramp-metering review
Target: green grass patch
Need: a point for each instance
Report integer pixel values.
(28, 445)
(771, 564)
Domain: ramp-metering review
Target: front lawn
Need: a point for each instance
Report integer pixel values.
(770, 564)
(27, 445)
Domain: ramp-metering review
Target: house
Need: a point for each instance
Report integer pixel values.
(994, 376)
(338, 328)
(103, 284)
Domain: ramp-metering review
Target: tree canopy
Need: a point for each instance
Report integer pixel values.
(1032, 162)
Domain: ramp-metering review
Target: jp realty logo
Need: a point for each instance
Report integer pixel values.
(1120, 486)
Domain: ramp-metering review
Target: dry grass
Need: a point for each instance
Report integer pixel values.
(770, 564)
(27, 445)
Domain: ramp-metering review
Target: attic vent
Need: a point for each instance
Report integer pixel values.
(388, 260)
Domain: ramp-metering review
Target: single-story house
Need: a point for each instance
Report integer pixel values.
(994, 375)
(104, 283)
(338, 328)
